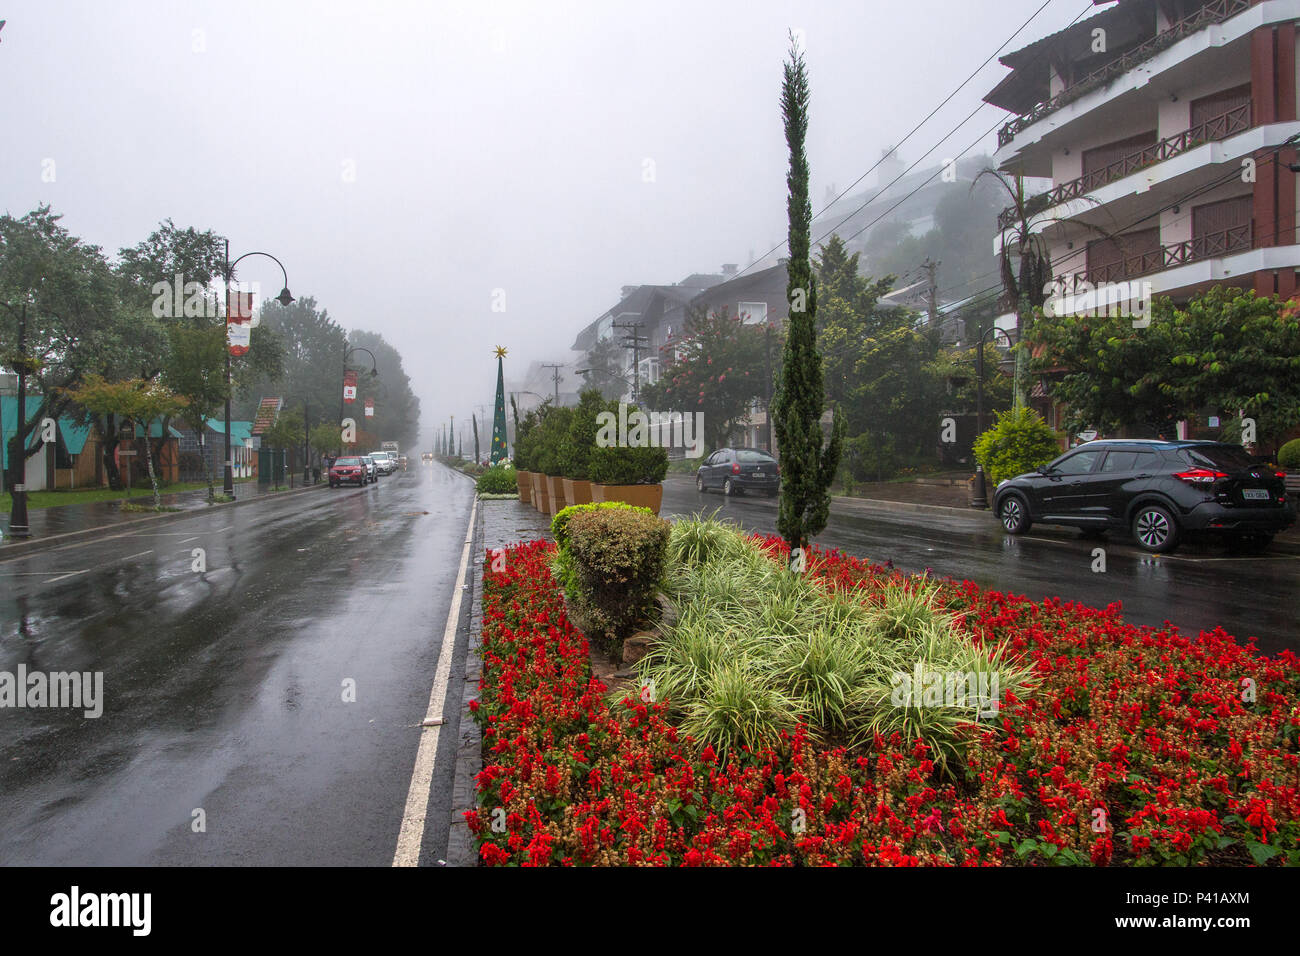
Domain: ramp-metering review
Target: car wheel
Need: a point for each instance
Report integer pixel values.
(728, 488)
(699, 483)
(1014, 514)
(1155, 529)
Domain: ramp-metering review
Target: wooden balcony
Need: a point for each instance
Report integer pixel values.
(1208, 246)
(1216, 12)
(1212, 130)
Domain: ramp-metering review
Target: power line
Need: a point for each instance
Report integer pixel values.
(948, 98)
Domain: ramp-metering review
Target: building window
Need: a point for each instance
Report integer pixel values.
(752, 313)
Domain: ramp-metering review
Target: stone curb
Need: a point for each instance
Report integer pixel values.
(462, 848)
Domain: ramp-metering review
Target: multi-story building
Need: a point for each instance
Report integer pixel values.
(1166, 127)
(1167, 130)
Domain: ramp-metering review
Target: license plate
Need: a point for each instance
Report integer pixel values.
(1255, 494)
(758, 474)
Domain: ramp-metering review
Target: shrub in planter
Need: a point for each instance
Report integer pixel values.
(628, 466)
(617, 557)
(526, 440)
(1288, 456)
(1019, 442)
(498, 480)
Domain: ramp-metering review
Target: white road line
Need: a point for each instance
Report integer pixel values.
(130, 556)
(62, 576)
(411, 835)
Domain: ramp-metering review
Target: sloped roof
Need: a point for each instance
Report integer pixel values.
(267, 412)
(239, 431)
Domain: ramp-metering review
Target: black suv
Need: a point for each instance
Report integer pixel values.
(736, 470)
(1156, 489)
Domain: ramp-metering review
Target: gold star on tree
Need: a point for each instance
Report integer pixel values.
(501, 351)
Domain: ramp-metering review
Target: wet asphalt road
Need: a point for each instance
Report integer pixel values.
(1200, 586)
(224, 689)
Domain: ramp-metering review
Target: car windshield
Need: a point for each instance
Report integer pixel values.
(1223, 457)
(348, 461)
(745, 454)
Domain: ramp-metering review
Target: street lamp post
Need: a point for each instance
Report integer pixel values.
(347, 353)
(284, 298)
(18, 511)
(979, 496)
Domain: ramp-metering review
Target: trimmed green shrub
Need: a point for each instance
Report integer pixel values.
(617, 559)
(498, 480)
(628, 466)
(1288, 455)
(1018, 443)
(560, 523)
(526, 440)
(577, 444)
(550, 436)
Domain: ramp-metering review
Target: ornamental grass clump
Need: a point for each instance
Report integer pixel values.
(757, 650)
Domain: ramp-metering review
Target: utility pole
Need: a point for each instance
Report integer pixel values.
(556, 373)
(633, 341)
(932, 268)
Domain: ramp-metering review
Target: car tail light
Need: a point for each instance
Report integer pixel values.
(1200, 476)
(735, 467)
(1280, 474)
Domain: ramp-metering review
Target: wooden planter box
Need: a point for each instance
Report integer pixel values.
(640, 496)
(524, 481)
(540, 494)
(577, 492)
(555, 488)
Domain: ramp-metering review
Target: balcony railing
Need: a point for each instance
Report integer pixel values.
(1208, 246)
(1214, 129)
(1216, 12)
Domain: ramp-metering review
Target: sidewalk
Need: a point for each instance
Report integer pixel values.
(66, 520)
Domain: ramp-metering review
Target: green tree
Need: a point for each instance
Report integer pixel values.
(808, 460)
(715, 366)
(141, 402)
(62, 292)
(1230, 352)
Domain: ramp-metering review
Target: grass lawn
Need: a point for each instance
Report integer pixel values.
(52, 499)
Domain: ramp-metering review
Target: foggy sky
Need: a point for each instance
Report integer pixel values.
(495, 145)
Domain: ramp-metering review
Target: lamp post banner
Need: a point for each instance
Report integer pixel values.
(239, 321)
(349, 386)
(370, 408)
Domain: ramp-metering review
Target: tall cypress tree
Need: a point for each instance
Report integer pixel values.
(474, 421)
(807, 467)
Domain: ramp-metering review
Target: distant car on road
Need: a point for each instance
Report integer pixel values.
(346, 471)
(427, 458)
(1157, 490)
(737, 470)
(401, 462)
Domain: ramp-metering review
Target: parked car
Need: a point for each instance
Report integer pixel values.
(1157, 490)
(737, 470)
(372, 469)
(401, 462)
(385, 462)
(346, 471)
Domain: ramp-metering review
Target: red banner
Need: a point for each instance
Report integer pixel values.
(349, 386)
(239, 318)
(370, 407)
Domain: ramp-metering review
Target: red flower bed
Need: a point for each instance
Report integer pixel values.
(1138, 747)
